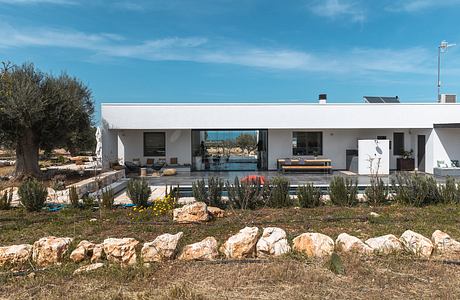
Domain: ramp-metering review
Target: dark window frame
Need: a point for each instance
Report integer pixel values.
(307, 152)
(157, 150)
(398, 143)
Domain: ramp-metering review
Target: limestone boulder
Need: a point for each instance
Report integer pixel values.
(50, 250)
(15, 256)
(194, 212)
(348, 243)
(416, 244)
(242, 244)
(88, 268)
(162, 248)
(84, 250)
(169, 172)
(98, 251)
(121, 251)
(272, 243)
(314, 244)
(216, 212)
(385, 244)
(444, 244)
(204, 250)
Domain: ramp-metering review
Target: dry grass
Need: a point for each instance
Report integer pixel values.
(6, 171)
(290, 277)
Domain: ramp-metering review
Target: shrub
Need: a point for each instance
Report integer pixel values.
(107, 199)
(377, 192)
(88, 201)
(163, 206)
(173, 192)
(450, 192)
(212, 195)
(416, 189)
(138, 191)
(73, 197)
(245, 195)
(309, 196)
(5, 199)
(32, 194)
(279, 193)
(343, 191)
(58, 182)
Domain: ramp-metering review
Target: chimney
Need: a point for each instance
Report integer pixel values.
(322, 99)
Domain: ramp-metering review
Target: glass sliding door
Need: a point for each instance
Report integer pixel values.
(229, 150)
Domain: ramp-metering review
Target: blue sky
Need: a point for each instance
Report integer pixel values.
(238, 51)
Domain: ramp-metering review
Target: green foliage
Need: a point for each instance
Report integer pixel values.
(246, 195)
(32, 194)
(173, 192)
(450, 192)
(416, 189)
(279, 193)
(309, 196)
(107, 199)
(138, 191)
(58, 182)
(212, 195)
(343, 191)
(335, 265)
(377, 192)
(5, 199)
(40, 111)
(73, 197)
(88, 201)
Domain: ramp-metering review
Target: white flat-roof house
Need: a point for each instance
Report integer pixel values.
(178, 133)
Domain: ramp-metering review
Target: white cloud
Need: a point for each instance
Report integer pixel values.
(420, 5)
(30, 2)
(338, 8)
(202, 50)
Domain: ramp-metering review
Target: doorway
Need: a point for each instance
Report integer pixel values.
(421, 141)
(229, 150)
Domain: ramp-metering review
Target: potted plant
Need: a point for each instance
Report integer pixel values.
(406, 162)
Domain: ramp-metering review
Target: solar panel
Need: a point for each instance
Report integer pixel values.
(373, 99)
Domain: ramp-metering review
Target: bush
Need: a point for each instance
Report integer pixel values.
(450, 192)
(139, 191)
(279, 193)
(58, 182)
(343, 191)
(32, 194)
(246, 195)
(5, 199)
(212, 195)
(377, 192)
(309, 196)
(163, 206)
(416, 189)
(73, 197)
(107, 199)
(88, 201)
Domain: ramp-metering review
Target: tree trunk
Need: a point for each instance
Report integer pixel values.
(27, 156)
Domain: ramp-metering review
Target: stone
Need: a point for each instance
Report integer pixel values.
(84, 249)
(272, 243)
(242, 244)
(216, 212)
(416, 244)
(444, 244)
(121, 251)
(314, 244)
(385, 244)
(374, 214)
(50, 250)
(15, 256)
(98, 250)
(195, 212)
(162, 248)
(169, 172)
(88, 268)
(349, 243)
(204, 250)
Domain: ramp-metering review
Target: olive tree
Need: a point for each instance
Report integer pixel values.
(40, 111)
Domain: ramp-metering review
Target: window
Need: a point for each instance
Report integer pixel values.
(307, 143)
(154, 144)
(398, 142)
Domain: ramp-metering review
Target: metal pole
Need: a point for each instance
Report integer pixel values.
(439, 73)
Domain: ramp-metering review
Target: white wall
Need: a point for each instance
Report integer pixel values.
(109, 146)
(278, 116)
(178, 144)
(446, 145)
(374, 157)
